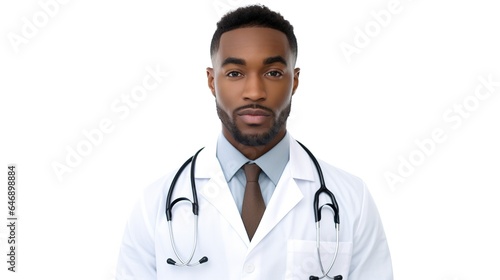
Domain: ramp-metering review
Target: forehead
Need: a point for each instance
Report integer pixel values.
(253, 43)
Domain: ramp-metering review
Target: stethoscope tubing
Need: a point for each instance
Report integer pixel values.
(195, 243)
(195, 209)
(322, 189)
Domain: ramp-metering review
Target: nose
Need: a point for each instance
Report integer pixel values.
(254, 88)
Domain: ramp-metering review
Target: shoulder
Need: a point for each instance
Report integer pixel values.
(303, 166)
(150, 198)
(341, 177)
(158, 187)
(161, 185)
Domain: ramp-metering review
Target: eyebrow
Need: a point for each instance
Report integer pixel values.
(233, 60)
(269, 60)
(274, 59)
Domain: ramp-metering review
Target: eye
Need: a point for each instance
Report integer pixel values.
(274, 73)
(234, 74)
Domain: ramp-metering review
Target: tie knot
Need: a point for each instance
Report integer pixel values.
(252, 172)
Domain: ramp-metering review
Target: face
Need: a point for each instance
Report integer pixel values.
(253, 80)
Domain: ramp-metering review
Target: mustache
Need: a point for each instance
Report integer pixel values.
(254, 106)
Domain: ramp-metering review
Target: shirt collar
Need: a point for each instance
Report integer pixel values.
(272, 163)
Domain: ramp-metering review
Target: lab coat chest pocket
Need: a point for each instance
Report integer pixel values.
(302, 259)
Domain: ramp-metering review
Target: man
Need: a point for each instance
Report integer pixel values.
(256, 185)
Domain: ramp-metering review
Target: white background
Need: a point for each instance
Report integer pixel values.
(363, 116)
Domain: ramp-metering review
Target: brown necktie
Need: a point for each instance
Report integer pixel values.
(253, 203)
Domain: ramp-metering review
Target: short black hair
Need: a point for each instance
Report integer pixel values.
(254, 16)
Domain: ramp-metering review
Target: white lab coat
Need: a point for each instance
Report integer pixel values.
(283, 246)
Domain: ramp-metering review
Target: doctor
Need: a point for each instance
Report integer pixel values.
(255, 184)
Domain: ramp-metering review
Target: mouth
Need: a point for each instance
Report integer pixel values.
(253, 112)
(252, 116)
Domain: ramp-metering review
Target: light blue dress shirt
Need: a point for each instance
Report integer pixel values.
(272, 164)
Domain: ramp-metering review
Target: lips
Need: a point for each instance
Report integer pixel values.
(253, 112)
(252, 116)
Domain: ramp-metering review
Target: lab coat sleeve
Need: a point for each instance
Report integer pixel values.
(136, 260)
(371, 258)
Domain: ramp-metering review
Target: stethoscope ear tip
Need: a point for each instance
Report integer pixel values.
(338, 277)
(202, 260)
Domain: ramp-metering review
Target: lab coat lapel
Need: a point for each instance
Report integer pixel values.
(287, 193)
(212, 185)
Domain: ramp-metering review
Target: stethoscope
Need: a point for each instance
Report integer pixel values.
(333, 206)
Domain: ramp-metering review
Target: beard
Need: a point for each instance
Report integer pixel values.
(254, 139)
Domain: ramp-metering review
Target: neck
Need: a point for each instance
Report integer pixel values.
(254, 152)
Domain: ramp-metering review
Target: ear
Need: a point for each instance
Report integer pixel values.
(295, 79)
(210, 80)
